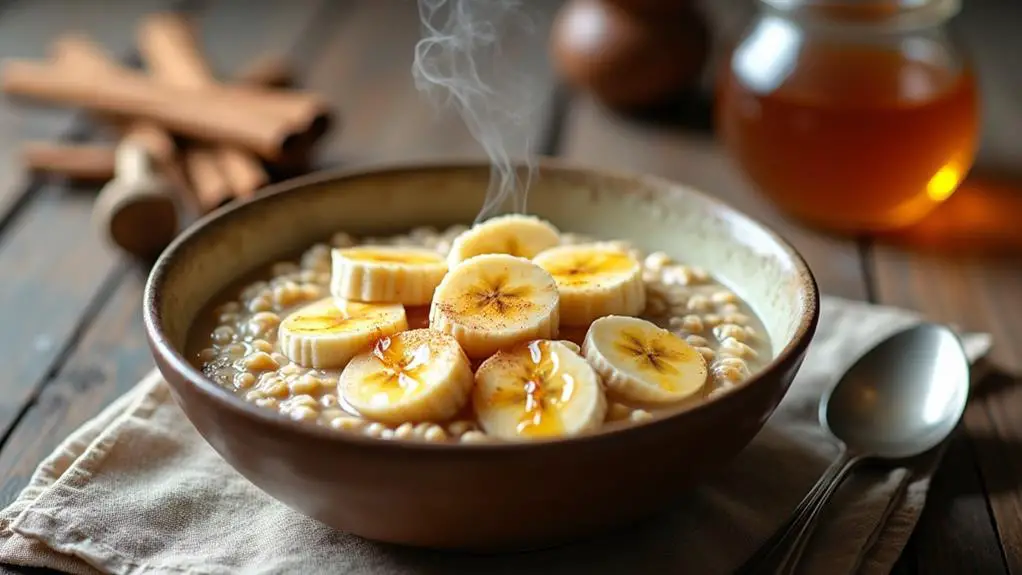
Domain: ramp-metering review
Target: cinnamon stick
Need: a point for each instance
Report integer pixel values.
(208, 186)
(78, 162)
(171, 50)
(302, 108)
(222, 115)
(78, 52)
(211, 188)
(168, 45)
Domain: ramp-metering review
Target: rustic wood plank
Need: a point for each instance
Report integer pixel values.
(953, 535)
(997, 439)
(112, 355)
(597, 137)
(110, 359)
(978, 294)
(236, 32)
(366, 71)
(53, 264)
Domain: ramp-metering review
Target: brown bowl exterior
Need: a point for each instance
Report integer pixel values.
(470, 497)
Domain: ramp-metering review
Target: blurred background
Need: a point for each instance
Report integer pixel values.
(849, 118)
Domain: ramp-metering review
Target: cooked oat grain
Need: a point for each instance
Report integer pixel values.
(240, 351)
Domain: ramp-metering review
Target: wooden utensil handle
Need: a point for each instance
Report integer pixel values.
(136, 210)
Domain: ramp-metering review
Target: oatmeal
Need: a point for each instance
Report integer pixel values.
(698, 340)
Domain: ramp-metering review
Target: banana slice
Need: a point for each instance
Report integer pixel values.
(414, 376)
(495, 301)
(594, 280)
(542, 389)
(327, 333)
(514, 234)
(641, 362)
(386, 274)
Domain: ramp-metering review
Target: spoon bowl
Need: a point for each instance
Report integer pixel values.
(901, 398)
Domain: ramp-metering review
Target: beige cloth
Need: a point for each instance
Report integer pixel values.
(137, 490)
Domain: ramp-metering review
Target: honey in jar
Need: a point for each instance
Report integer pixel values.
(854, 116)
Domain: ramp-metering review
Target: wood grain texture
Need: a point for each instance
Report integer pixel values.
(596, 137)
(367, 74)
(54, 265)
(977, 293)
(954, 533)
(234, 33)
(109, 360)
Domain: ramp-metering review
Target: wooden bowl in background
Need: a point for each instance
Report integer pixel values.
(630, 53)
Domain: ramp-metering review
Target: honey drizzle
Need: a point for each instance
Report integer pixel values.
(542, 390)
(401, 369)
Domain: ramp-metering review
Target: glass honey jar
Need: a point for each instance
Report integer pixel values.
(857, 116)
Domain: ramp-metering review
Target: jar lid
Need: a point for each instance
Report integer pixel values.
(871, 12)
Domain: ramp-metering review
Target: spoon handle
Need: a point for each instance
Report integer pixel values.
(803, 531)
(773, 550)
(769, 547)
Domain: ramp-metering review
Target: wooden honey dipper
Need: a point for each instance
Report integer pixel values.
(137, 210)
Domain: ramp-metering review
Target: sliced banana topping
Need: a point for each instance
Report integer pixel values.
(414, 376)
(386, 274)
(327, 333)
(495, 301)
(594, 280)
(539, 390)
(643, 363)
(514, 234)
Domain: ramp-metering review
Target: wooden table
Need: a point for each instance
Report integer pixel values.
(70, 321)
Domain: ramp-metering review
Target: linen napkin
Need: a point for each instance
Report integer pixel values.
(137, 490)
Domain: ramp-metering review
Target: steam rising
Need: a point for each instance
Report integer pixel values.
(462, 60)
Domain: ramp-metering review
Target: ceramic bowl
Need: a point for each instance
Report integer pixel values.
(488, 496)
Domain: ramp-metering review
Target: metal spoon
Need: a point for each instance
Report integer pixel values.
(899, 400)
